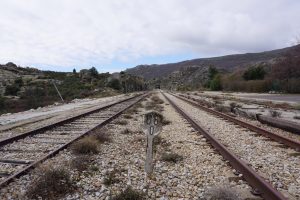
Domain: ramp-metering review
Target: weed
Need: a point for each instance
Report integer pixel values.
(51, 183)
(171, 157)
(86, 145)
(94, 168)
(220, 194)
(165, 122)
(126, 131)
(297, 106)
(111, 178)
(130, 194)
(122, 122)
(275, 113)
(126, 116)
(80, 163)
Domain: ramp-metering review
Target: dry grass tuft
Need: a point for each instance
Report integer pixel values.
(127, 116)
(102, 135)
(51, 183)
(80, 162)
(130, 194)
(87, 145)
(126, 131)
(171, 157)
(121, 122)
(111, 178)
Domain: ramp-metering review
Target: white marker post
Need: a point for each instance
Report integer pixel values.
(152, 127)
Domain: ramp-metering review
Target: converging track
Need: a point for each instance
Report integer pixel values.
(23, 152)
(263, 163)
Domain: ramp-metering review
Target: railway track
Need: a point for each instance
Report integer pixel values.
(278, 138)
(240, 151)
(20, 153)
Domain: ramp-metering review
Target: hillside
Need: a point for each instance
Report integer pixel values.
(228, 63)
(26, 88)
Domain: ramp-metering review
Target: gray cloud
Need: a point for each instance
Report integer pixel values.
(87, 32)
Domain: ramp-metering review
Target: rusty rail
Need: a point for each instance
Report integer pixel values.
(58, 123)
(278, 138)
(258, 183)
(56, 151)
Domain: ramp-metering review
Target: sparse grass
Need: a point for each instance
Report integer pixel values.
(111, 178)
(87, 145)
(165, 122)
(94, 168)
(127, 116)
(126, 131)
(220, 194)
(139, 138)
(171, 157)
(121, 122)
(275, 113)
(50, 183)
(130, 194)
(80, 163)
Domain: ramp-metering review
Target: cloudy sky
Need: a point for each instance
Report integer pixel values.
(117, 34)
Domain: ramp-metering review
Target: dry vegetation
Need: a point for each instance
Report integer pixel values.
(50, 183)
(130, 194)
(171, 157)
(87, 145)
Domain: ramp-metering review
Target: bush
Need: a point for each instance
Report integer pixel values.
(87, 145)
(220, 194)
(51, 183)
(171, 157)
(12, 90)
(130, 194)
(115, 84)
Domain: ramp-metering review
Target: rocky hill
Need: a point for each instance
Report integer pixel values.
(227, 63)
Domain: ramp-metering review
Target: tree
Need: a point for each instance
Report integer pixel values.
(115, 84)
(74, 71)
(215, 84)
(94, 72)
(254, 73)
(212, 72)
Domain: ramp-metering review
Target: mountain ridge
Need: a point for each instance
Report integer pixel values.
(227, 62)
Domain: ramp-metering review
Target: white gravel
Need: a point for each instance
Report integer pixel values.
(200, 169)
(280, 166)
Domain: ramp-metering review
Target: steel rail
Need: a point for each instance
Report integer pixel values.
(278, 138)
(58, 123)
(264, 188)
(23, 171)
